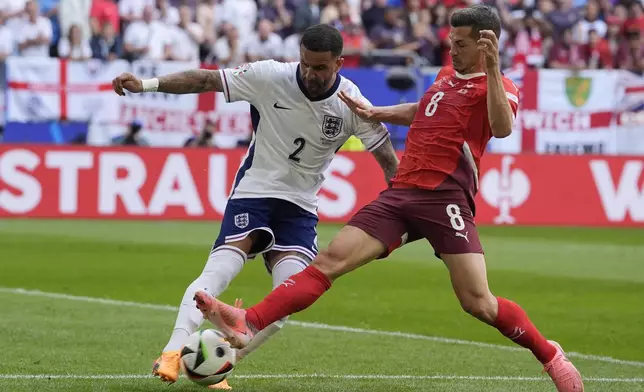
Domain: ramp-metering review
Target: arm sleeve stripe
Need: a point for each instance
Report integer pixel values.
(379, 142)
(226, 89)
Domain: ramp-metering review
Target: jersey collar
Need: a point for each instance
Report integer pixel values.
(469, 76)
(322, 97)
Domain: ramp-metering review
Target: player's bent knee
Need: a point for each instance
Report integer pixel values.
(331, 263)
(481, 305)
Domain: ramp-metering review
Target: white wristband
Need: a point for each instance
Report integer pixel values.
(150, 85)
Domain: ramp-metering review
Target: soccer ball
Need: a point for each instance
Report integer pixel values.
(207, 358)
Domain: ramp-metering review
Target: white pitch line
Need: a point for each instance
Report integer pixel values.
(337, 328)
(73, 377)
(314, 376)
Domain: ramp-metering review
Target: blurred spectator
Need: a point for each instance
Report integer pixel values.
(356, 44)
(635, 18)
(619, 14)
(391, 33)
(49, 9)
(229, 50)
(132, 137)
(631, 53)
(567, 54)
(374, 15)
(590, 22)
(12, 8)
(242, 14)
(204, 139)
(13, 11)
(147, 38)
(563, 17)
(264, 44)
(355, 9)
(208, 20)
(614, 38)
(187, 36)
(278, 12)
(292, 48)
(415, 15)
(441, 25)
(598, 52)
(525, 42)
(104, 12)
(35, 33)
(330, 13)
(75, 12)
(107, 45)
(74, 46)
(423, 41)
(338, 15)
(166, 13)
(132, 10)
(306, 15)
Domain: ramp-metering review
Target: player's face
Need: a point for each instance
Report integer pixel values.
(466, 57)
(318, 70)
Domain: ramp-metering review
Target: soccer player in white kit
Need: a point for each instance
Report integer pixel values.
(298, 125)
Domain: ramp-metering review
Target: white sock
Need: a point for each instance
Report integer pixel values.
(284, 269)
(224, 263)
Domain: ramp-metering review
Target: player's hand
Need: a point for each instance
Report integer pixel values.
(361, 109)
(128, 82)
(488, 44)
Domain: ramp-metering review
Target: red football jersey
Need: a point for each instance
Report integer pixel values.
(449, 133)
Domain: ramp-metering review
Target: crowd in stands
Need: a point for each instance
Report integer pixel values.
(574, 34)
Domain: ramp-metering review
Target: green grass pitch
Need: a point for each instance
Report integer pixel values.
(394, 325)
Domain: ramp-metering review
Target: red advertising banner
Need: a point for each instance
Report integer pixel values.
(561, 190)
(127, 183)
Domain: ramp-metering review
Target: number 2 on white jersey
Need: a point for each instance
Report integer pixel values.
(433, 104)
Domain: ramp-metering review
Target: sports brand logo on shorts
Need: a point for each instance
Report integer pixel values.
(331, 127)
(241, 220)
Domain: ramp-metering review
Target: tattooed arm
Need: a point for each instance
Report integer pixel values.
(387, 159)
(187, 82)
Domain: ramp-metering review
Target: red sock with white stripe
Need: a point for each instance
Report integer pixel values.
(296, 293)
(514, 324)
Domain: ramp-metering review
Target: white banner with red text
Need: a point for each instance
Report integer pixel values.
(586, 112)
(52, 89)
(193, 184)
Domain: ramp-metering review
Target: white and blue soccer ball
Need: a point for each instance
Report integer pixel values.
(207, 357)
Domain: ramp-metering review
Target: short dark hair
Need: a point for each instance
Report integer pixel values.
(323, 38)
(479, 17)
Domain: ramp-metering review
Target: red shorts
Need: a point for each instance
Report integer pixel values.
(402, 215)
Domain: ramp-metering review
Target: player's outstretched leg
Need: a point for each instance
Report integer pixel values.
(350, 249)
(224, 263)
(469, 279)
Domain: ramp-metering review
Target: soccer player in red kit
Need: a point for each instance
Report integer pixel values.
(431, 196)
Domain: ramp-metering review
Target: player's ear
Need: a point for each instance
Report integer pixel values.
(338, 63)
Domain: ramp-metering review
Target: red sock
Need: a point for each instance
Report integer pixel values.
(297, 293)
(515, 325)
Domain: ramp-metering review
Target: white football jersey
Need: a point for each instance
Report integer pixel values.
(295, 136)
